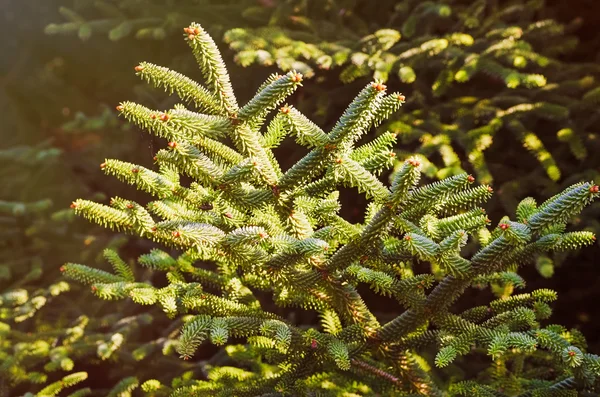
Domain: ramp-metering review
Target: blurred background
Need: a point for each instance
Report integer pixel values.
(66, 64)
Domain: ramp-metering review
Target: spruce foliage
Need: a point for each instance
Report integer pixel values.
(491, 89)
(248, 236)
(477, 70)
(50, 342)
(33, 307)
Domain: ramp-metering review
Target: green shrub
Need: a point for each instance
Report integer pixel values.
(243, 229)
(492, 89)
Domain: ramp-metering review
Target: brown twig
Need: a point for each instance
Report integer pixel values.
(376, 371)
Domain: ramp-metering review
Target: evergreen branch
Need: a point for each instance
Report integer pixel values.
(269, 97)
(213, 68)
(250, 231)
(183, 86)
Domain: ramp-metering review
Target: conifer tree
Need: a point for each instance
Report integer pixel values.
(250, 234)
(491, 91)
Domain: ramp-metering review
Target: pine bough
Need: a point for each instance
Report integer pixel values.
(246, 229)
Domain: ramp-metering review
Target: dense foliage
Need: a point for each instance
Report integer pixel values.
(486, 82)
(476, 70)
(245, 226)
(492, 89)
(45, 331)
